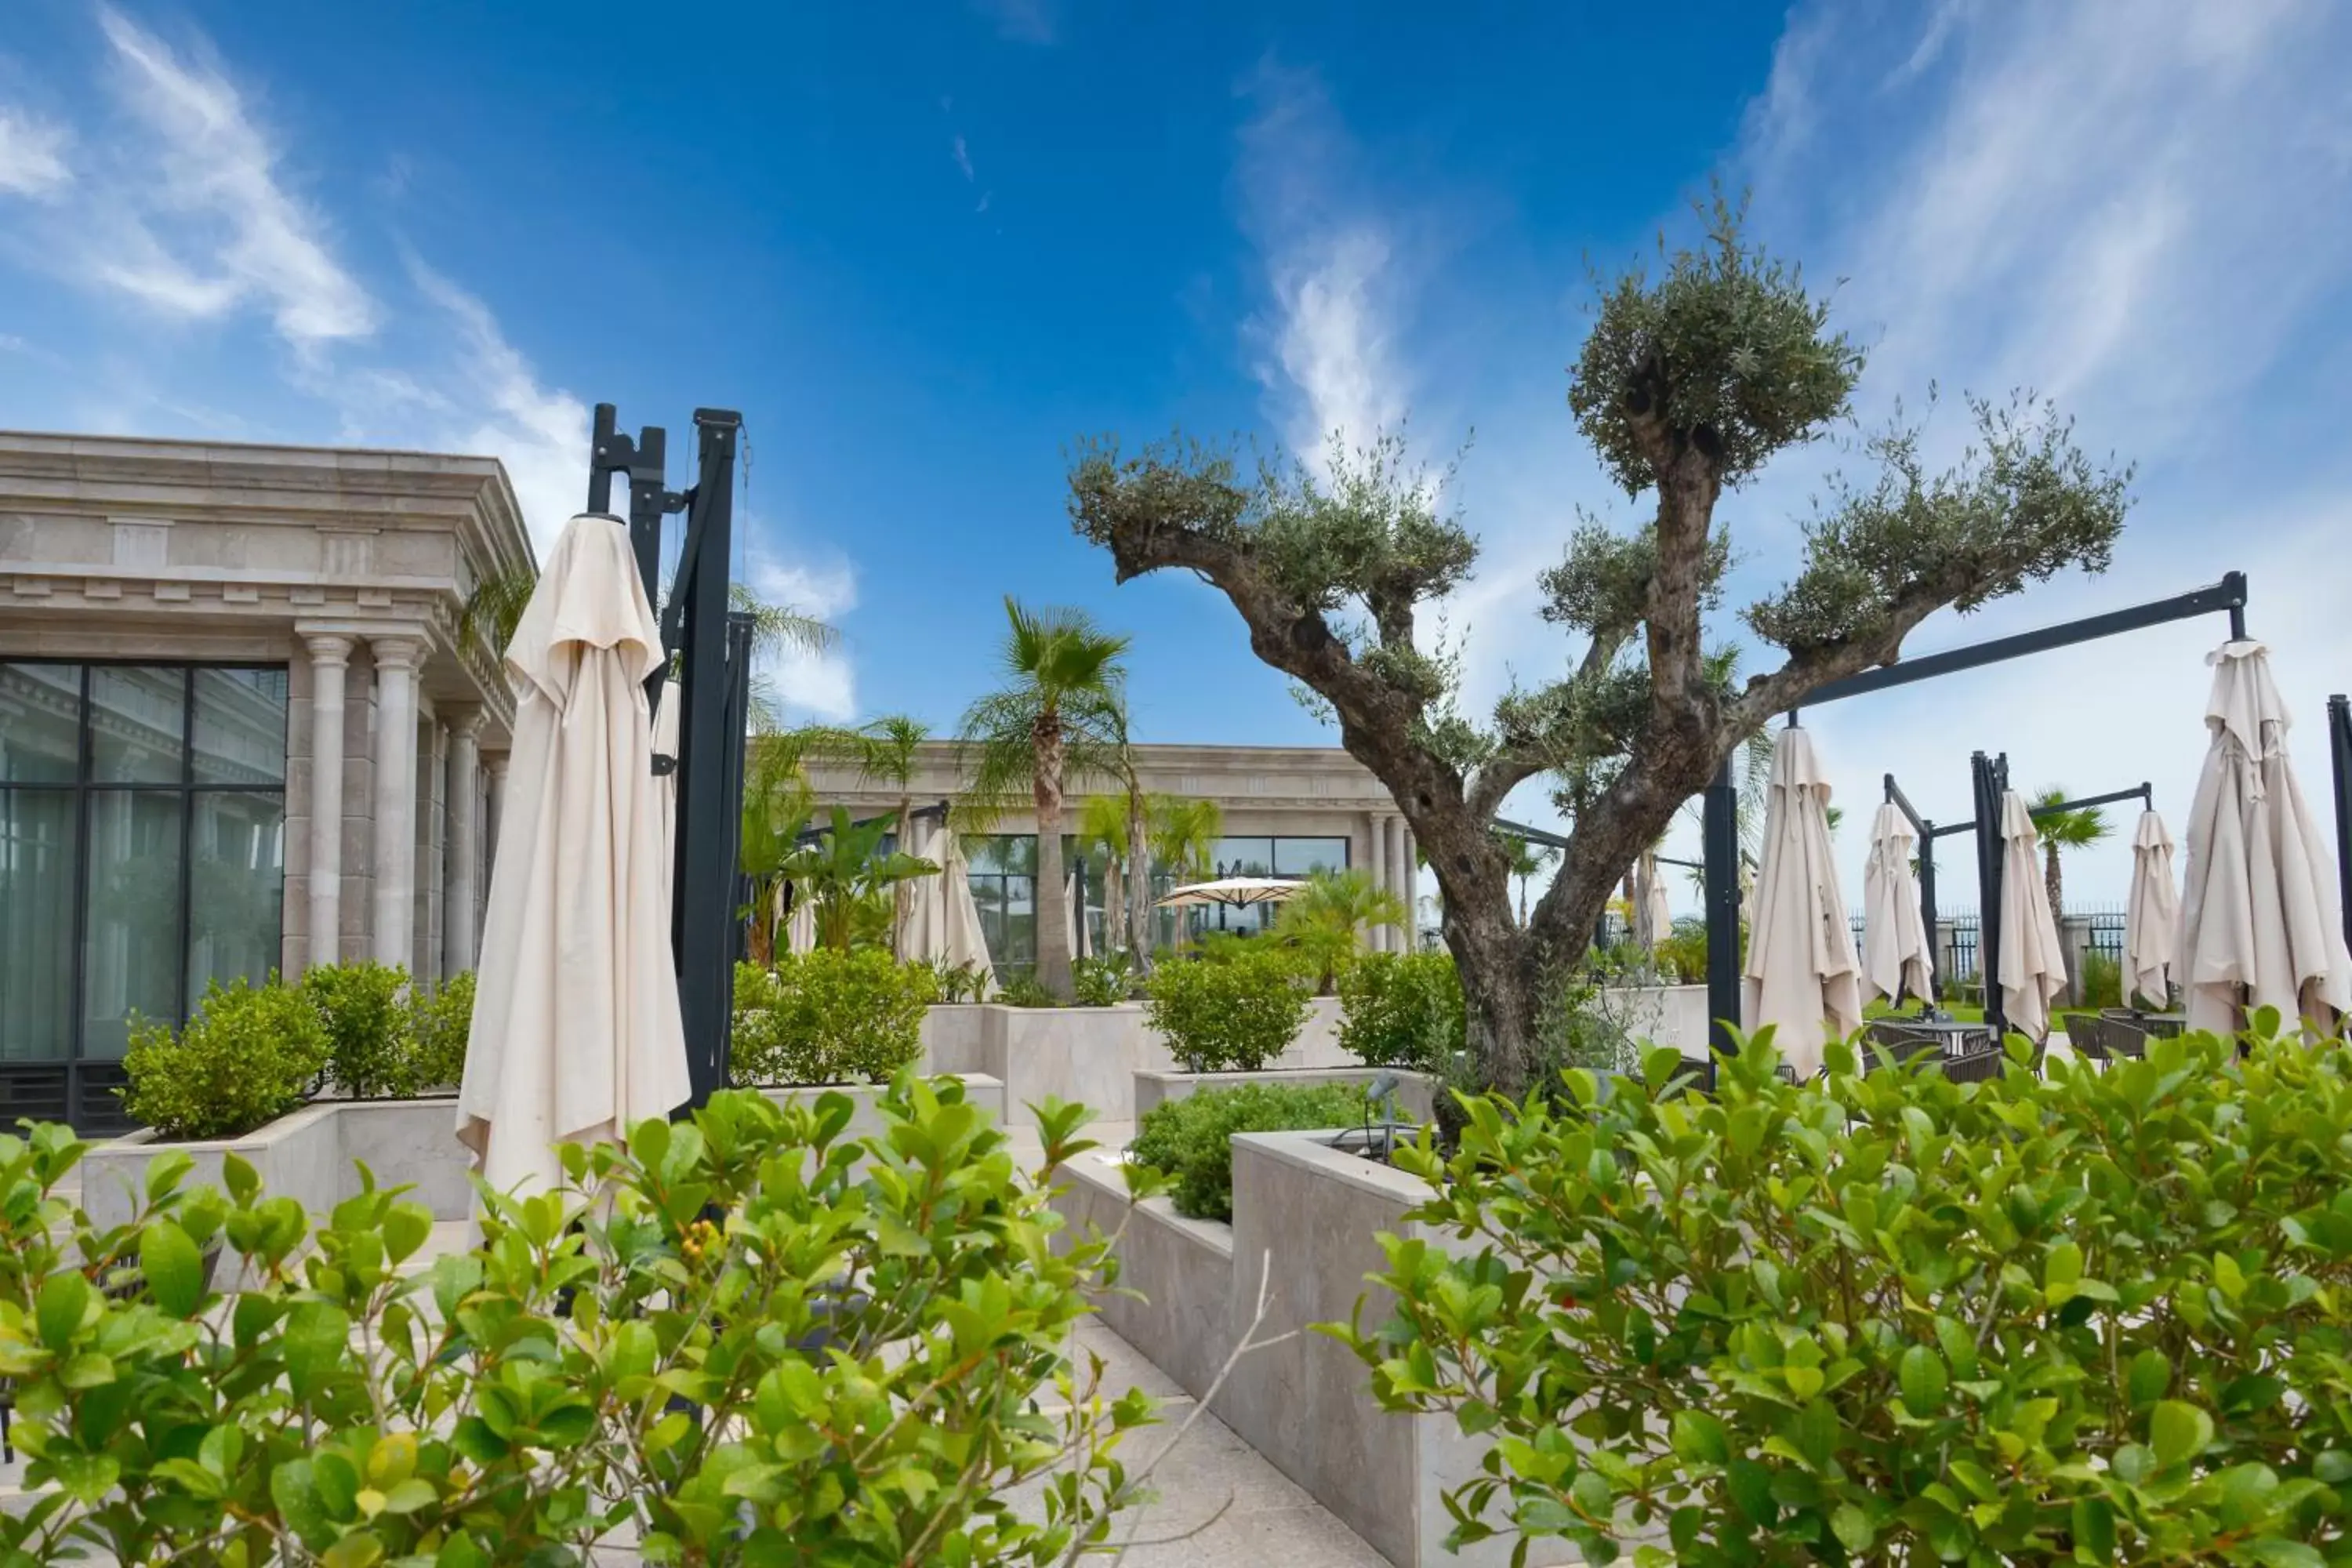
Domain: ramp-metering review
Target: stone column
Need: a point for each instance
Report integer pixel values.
(458, 938)
(329, 655)
(397, 660)
(1400, 862)
(494, 808)
(1376, 867)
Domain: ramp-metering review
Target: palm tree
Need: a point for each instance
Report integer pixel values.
(777, 803)
(1102, 825)
(2061, 831)
(844, 872)
(1323, 918)
(1526, 861)
(1057, 718)
(1184, 838)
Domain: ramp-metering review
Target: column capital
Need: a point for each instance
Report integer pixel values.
(495, 764)
(397, 650)
(464, 720)
(328, 650)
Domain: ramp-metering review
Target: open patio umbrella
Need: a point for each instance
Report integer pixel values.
(1654, 921)
(1800, 975)
(2032, 959)
(1236, 891)
(575, 1032)
(1893, 937)
(2152, 916)
(2260, 921)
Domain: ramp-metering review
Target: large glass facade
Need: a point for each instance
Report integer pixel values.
(143, 846)
(1003, 884)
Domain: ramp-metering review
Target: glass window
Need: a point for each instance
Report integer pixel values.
(138, 724)
(40, 723)
(240, 726)
(127, 886)
(239, 866)
(36, 900)
(131, 948)
(1243, 858)
(1305, 856)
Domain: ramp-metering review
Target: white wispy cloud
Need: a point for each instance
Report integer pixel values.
(209, 224)
(962, 155)
(32, 154)
(820, 685)
(1325, 345)
(1023, 21)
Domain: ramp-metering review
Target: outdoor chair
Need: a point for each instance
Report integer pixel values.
(2112, 1033)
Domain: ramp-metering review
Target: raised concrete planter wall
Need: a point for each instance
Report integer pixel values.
(1663, 1014)
(1091, 1055)
(1417, 1093)
(979, 1089)
(1306, 1403)
(951, 1036)
(308, 1155)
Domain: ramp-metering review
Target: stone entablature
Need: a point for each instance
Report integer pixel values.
(350, 567)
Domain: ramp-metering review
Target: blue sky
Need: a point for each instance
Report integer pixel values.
(924, 247)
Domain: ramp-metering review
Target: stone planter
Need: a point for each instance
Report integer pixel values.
(1089, 1054)
(1416, 1094)
(979, 1089)
(1310, 1213)
(1662, 1015)
(309, 1155)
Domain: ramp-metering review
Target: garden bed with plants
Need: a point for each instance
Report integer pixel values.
(300, 1080)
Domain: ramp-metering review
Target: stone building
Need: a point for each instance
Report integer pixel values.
(1286, 810)
(242, 728)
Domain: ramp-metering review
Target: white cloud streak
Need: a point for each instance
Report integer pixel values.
(32, 155)
(1022, 21)
(820, 685)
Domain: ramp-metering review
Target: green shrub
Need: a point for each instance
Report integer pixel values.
(1025, 990)
(249, 1056)
(960, 982)
(2099, 1317)
(2102, 980)
(364, 1008)
(1234, 1015)
(1190, 1140)
(438, 1027)
(1099, 982)
(829, 1016)
(1403, 1010)
(519, 1404)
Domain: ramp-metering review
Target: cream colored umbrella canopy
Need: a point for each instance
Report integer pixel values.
(1238, 891)
(576, 1033)
(1800, 976)
(800, 926)
(943, 924)
(2261, 918)
(1894, 958)
(1654, 918)
(2151, 915)
(2032, 961)
(666, 750)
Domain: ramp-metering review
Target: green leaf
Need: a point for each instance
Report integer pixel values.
(2149, 1376)
(1751, 1490)
(2179, 1432)
(2095, 1531)
(1699, 1439)
(1853, 1527)
(58, 1313)
(1923, 1380)
(173, 1267)
(243, 1179)
(2273, 1552)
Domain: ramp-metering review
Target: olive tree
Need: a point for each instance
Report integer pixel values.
(1691, 380)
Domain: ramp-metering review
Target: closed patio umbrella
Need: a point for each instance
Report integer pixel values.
(1894, 936)
(576, 1032)
(1074, 916)
(1800, 975)
(2260, 921)
(2032, 959)
(800, 925)
(666, 750)
(2152, 917)
(943, 918)
(1654, 921)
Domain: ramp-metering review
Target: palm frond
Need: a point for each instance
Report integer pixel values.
(495, 606)
(779, 628)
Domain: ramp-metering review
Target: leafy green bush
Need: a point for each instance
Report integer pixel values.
(1099, 982)
(1191, 1139)
(829, 1016)
(960, 982)
(2099, 1317)
(1025, 990)
(248, 1056)
(2102, 980)
(1403, 1010)
(520, 1404)
(364, 1009)
(439, 1025)
(1235, 1014)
